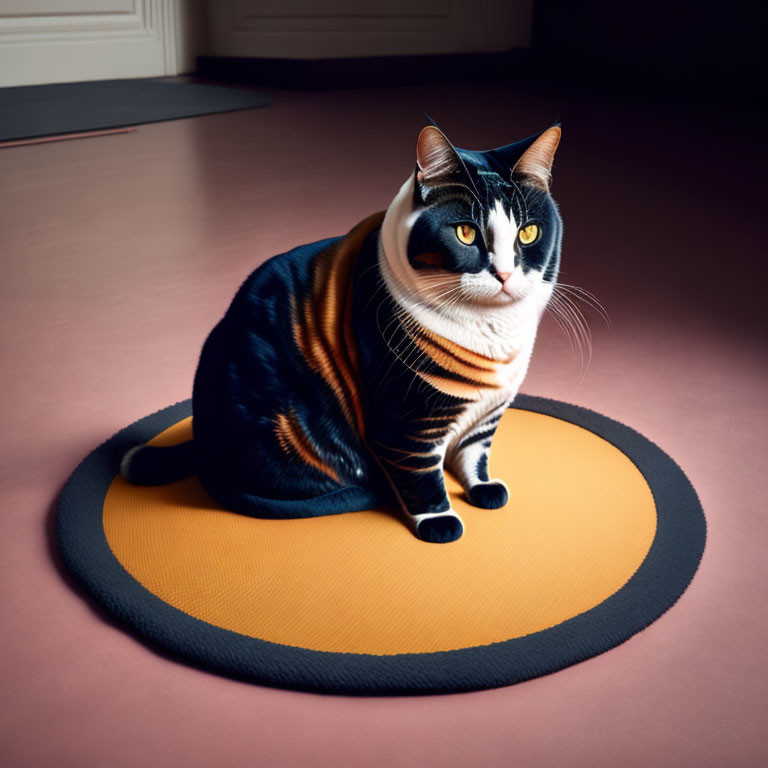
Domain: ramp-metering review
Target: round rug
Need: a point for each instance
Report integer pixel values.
(602, 534)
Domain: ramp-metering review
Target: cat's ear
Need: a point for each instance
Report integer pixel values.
(535, 164)
(437, 162)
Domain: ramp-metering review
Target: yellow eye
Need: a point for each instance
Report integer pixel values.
(466, 234)
(528, 234)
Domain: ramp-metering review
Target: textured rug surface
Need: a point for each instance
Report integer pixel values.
(601, 535)
(32, 111)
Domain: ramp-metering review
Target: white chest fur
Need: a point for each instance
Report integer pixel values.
(504, 332)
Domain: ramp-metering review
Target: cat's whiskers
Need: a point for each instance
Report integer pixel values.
(413, 357)
(581, 294)
(432, 300)
(416, 355)
(576, 327)
(396, 321)
(563, 322)
(401, 319)
(558, 321)
(380, 285)
(430, 284)
(580, 324)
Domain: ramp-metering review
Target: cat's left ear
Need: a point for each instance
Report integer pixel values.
(535, 164)
(437, 160)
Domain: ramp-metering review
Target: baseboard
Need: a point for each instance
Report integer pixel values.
(374, 71)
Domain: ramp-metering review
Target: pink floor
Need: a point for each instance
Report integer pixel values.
(120, 253)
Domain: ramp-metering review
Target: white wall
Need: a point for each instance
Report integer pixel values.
(344, 28)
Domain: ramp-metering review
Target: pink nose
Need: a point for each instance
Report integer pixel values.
(505, 276)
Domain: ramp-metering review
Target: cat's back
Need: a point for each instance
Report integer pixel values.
(274, 384)
(249, 356)
(283, 278)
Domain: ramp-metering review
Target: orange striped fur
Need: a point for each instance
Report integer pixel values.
(322, 328)
(293, 439)
(475, 372)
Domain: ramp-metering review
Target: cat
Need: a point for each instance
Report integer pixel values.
(350, 372)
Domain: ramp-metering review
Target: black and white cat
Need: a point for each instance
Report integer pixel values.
(350, 372)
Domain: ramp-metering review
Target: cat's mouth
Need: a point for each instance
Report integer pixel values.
(512, 284)
(495, 289)
(512, 289)
(501, 279)
(508, 284)
(503, 284)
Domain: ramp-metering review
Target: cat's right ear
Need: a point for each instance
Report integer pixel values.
(437, 162)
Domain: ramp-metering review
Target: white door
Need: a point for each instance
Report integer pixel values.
(55, 41)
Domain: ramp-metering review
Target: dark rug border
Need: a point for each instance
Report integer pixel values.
(661, 579)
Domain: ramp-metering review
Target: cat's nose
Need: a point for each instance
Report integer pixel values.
(504, 276)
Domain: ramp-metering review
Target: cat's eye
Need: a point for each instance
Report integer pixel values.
(466, 234)
(528, 234)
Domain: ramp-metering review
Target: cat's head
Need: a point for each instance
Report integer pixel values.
(477, 228)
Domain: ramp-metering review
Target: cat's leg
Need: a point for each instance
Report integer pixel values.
(467, 459)
(415, 472)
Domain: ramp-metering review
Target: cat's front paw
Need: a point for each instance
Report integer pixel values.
(491, 495)
(440, 528)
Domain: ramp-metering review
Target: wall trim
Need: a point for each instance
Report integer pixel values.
(372, 71)
(319, 29)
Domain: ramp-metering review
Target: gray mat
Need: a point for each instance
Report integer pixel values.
(33, 111)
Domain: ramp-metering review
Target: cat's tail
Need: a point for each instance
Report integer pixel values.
(156, 465)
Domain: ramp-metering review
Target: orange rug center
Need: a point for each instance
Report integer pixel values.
(580, 521)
